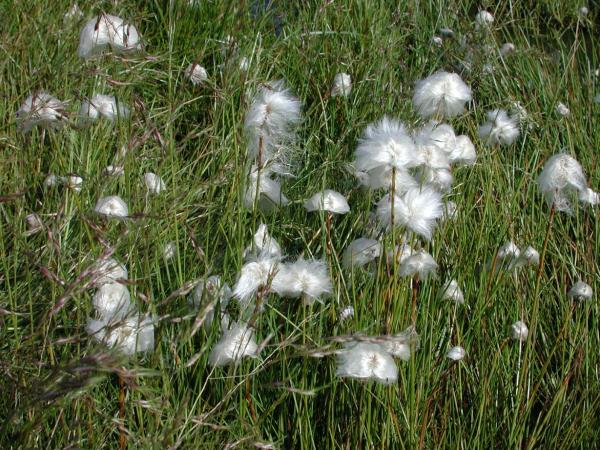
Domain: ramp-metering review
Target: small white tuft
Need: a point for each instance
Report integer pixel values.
(420, 263)
(132, 335)
(360, 252)
(108, 270)
(452, 291)
(484, 19)
(106, 31)
(441, 94)
(328, 200)
(112, 301)
(342, 85)
(346, 313)
(500, 129)
(264, 246)
(581, 291)
(589, 196)
(562, 110)
(366, 362)
(154, 184)
(261, 185)
(73, 182)
(41, 110)
(306, 278)
(196, 74)
(417, 210)
(254, 276)
(456, 353)
(112, 207)
(519, 331)
(101, 105)
(561, 181)
(235, 344)
(507, 49)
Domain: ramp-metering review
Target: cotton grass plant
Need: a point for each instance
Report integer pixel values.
(266, 376)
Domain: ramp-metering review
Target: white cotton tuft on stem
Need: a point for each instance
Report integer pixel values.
(129, 336)
(562, 181)
(452, 291)
(328, 200)
(519, 331)
(41, 110)
(581, 291)
(154, 184)
(420, 263)
(112, 207)
(366, 362)
(442, 94)
(342, 85)
(107, 31)
(456, 353)
(236, 343)
(263, 190)
(101, 105)
(361, 252)
(500, 128)
(196, 74)
(308, 279)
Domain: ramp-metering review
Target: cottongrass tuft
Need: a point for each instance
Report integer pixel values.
(563, 110)
(562, 180)
(212, 290)
(361, 252)
(519, 331)
(196, 74)
(366, 361)
(112, 302)
(263, 246)
(264, 190)
(342, 85)
(442, 94)
(112, 207)
(43, 110)
(308, 279)
(581, 291)
(456, 353)
(417, 210)
(154, 184)
(236, 343)
(500, 129)
(484, 19)
(452, 291)
(328, 200)
(420, 263)
(132, 335)
(102, 106)
(107, 31)
(108, 270)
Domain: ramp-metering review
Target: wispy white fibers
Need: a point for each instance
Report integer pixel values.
(212, 289)
(270, 127)
(417, 210)
(589, 196)
(235, 344)
(41, 110)
(563, 110)
(456, 353)
(263, 246)
(108, 270)
(366, 361)
(581, 291)
(360, 252)
(562, 181)
(434, 144)
(519, 331)
(102, 106)
(261, 188)
(328, 200)
(342, 85)
(400, 345)
(442, 94)
(196, 74)
(131, 335)
(154, 184)
(483, 19)
(112, 301)
(452, 291)
(112, 206)
(510, 257)
(384, 147)
(106, 31)
(420, 263)
(308, 279)
(500, 128)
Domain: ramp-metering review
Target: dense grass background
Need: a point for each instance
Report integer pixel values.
(59, 389)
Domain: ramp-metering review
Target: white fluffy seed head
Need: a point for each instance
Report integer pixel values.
(154, 184)
(263, 190)
(581, 291)
(212, 289)
(507, 49)
(342, 85)
(196, 74)
(589, 196)
(417, 210)
(442, 94)
(456, 353)
(101, 105)
(366, 361)
(270, 127)
(386, 144)
(346, 313)
(169, 250)
(132, 335)
(328, 200)
(306, 278)
(500, 128)
(106, 31)
(452, 291)
(113, 171)
(399, 254)
(563, 110)
(73, 182)
(108, 270)
(562, 179)
(519, 331)
(264, 246)
(420, 263)
(464, 151)
(484, 19)
(41, 110)
(235, 344)
(360, 252)
(112, 302)
(254, 276)
(112, 206)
